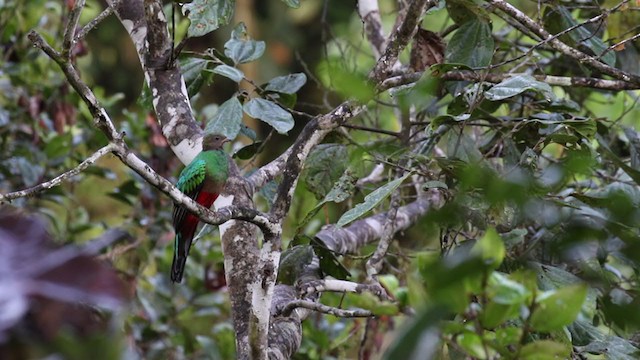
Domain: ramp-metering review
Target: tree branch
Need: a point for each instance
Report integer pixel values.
(370, 14)
(70, 30)
(467, 75)
(97, 20)
(562, 47)
(310, 305)
(399, 39)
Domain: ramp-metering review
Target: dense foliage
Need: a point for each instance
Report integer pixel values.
(530, 157)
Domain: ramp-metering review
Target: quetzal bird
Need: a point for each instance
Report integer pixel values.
(202, 180)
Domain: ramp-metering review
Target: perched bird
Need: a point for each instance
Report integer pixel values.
(202, 180)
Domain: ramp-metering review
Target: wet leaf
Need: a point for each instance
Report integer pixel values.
(271, 113)
(517, 85)
(229, 72)
(240, 48)
(227, 120)
(288, 84)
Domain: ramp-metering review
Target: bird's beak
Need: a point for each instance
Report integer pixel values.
(225, 141)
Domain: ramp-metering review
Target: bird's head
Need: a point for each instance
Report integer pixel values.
(213, 142)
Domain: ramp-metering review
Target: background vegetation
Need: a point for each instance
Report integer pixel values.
(528, 155)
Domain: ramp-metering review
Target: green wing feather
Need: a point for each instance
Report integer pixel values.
(190, 182)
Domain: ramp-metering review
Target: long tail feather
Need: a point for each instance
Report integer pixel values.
(177, 268)
(180, 253)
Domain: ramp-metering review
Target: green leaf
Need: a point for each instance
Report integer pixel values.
(329, 263)
(292, 3)
(596, 342)
(550, 278)
(490, 248)
(288, 84)
(545, 350)
(59, 146)
(192, 71)
(324, 166)
(341, 191)
(503, 290)
(240, 48)
(419, 339)
(293, 262)
(227, 120)
(229, 72)
(472, 44)
(462, 11)
(207, 15)
(271, 113)
(349, 83)
(371, 201)
(557, 308)
(517, 85)
(472, 344)
(494, 314)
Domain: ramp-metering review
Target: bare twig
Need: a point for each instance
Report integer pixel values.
(310, 305)
(399, 39)
(332, 285)
(98, 19)
(70, 30)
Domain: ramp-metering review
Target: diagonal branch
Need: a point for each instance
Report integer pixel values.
(399, 39)
(70, 30)
(562, 47)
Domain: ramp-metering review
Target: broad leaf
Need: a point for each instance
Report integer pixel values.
(324, 166)
(293, 262)
(288, 84)
(371, 201)
(229, 72)
(557, 308)
(207, 15)
(227, 120)
(341, 191)
(545, 350)
(462, 11)
(193, 71)
(240, 48)
(271, 113)
(420, 339)
(490, 248)
(329, 263)
(472, 44)
(517, 85)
